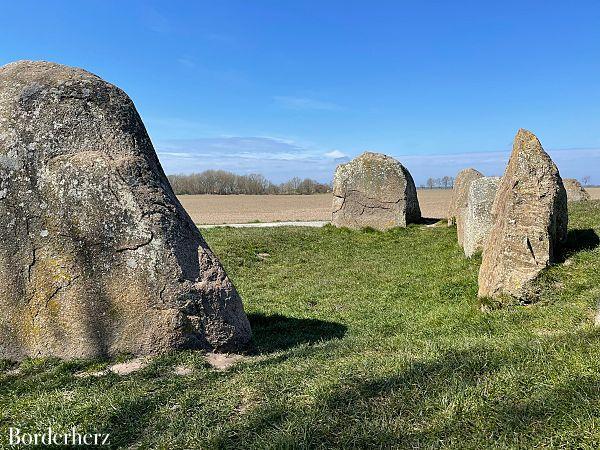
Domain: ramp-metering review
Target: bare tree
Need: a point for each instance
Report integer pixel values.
(222, 183)
(585, 180)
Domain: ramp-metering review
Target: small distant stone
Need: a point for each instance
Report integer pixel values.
(183, 371)
(575, 191)
(130, 366)
(13, 372)
(96, 374)
(124, 368)
(221, 361)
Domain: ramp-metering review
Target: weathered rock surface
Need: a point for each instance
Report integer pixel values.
(460, 197)
(374, 190)
(478, 214)
(575, 191)
(530, 221)
(97, 256)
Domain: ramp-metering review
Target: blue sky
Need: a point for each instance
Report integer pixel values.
(290, 88)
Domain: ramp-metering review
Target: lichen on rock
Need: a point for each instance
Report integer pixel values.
(98, 257)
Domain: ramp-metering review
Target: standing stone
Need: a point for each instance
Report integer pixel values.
(374, 190)
(530, 221)
(575, 191)
(478, 214)
(97, 256)
(460, 197)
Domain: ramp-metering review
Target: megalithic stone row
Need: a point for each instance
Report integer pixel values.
(478, 214)
(97, 256)
(460, 197)
(529, 221)
(374, 190)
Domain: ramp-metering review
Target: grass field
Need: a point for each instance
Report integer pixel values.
(362, 339)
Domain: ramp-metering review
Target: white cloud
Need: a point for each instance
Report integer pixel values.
(335, 154)
(280, 159)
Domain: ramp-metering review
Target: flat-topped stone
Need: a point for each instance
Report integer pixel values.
(374, 190)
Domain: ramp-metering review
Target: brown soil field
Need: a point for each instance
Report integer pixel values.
(218, 209)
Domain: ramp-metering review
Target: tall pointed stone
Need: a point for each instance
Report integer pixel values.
(459, 200)
(374, 190)
(97, 256)
(530, 221)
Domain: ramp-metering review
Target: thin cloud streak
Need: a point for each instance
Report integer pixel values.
(154, 20)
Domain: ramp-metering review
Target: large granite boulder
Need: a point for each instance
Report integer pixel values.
(530, 221)
(460, 197)
(478, 214)
(97, 256)
(575, 191)
(374, 190)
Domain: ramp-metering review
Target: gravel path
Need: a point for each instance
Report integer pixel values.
(315, 223)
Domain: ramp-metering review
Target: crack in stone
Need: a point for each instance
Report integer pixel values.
(60, 288)
(529, 246)
(137, 246)
(31, 264)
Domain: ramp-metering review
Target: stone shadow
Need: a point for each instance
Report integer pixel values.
(420, 393)
(578, 240)
(428, 220)
(276, 332)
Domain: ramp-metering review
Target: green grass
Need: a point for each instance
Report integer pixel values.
(362, 339)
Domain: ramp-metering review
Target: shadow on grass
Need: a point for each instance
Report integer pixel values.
(458, 399)
(577, 241)
(475, 397)
(428, 221)
(277, 332)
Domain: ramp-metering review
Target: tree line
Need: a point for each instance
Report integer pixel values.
(222, 182)
(439, 183)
